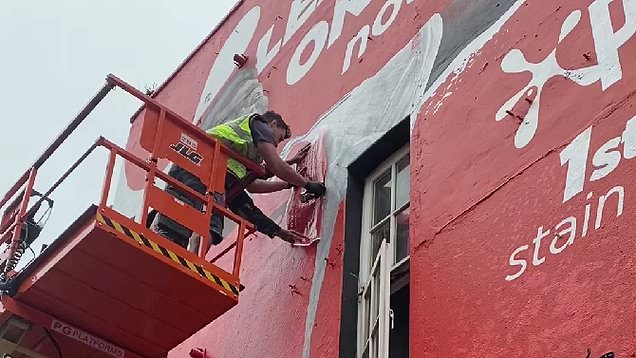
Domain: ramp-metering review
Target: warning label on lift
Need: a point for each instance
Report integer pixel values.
(87, 339)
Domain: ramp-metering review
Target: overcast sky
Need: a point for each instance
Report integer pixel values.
(54, 56)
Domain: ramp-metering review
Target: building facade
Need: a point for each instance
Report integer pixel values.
(505, 127)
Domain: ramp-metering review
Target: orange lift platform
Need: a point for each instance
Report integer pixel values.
(109, 286)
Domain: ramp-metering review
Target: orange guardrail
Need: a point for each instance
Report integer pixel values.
(165, 135)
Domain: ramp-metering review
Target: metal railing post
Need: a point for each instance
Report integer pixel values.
(108, 179)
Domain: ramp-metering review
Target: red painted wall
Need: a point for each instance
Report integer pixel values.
(491, 198)
(484, 281)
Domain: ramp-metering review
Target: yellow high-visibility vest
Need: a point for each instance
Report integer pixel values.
(237, 135)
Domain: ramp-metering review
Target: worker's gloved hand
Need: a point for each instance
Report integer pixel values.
(315, 188)
(289, 236)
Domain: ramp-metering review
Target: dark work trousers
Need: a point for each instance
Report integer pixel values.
(242, 205)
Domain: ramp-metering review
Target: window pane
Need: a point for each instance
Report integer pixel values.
(382, 197)
(381, 233)
(403, 181)
(402, 235)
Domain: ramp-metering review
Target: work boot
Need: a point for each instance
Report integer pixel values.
(216, 238)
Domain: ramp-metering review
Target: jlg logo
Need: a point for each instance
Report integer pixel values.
(187, 149)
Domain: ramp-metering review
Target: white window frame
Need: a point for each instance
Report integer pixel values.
(367, 213)
(384, 259)
(373, 329)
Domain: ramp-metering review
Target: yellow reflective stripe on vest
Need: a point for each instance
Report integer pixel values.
(236, 168)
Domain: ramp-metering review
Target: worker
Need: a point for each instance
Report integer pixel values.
(256, 137)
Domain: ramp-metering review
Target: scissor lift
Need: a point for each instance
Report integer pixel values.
(109, 286)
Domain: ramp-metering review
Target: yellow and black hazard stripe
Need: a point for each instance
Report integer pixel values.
(142, 240)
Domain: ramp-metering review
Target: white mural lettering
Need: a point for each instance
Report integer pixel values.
(264, 55)
(607, 42)
(570, 231)
(605, 159)
(568, 227)
(296, 71)
(318, 36)
(378, 27)
(299, 13)
(608, 70)
(363, 38)
(340, 10)
(575, 157)
(322, 35)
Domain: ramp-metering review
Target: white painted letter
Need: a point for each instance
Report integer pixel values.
(575, 154)
(378, 27)
(586, 219)
(340, 10)
(620, 191)
(263, 56)
(299, 12)
(514, 262)
(629, 139)
(571, 230)
(362, 36)
(537, 243)
(318, 34)
(607, 42)
(605, 159)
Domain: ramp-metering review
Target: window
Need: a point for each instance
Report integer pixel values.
(384, 259)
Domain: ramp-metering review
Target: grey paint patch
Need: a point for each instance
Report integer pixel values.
(459, 64)
(464, 21)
